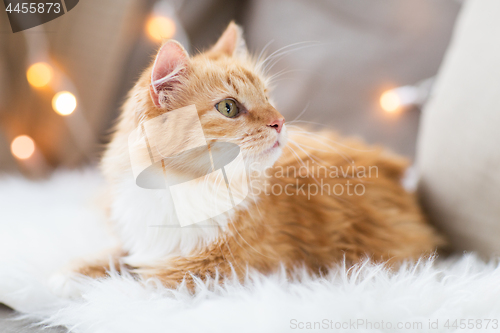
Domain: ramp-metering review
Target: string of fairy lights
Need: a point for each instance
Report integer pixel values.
(402, 98)
(45, 76)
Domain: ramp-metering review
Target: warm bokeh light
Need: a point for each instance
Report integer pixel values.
(64, 103)
(160, 27)
(390, 101)
(22, 147)
(39, 74)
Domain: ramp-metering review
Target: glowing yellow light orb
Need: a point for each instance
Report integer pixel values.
(390, 101)
(22, 147)
(160, 27)
(64, 103)
(39, 74)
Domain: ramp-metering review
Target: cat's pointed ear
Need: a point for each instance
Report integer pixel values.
(231, 42)
(171, 62)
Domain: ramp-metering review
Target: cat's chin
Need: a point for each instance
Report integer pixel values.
(268, 156)
(273, 153)
(265, 159)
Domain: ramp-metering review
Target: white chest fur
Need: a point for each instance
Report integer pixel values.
(149, 230)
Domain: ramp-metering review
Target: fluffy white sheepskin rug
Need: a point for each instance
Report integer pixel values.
(45, 224)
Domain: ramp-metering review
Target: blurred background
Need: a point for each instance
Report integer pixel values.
(360, 67)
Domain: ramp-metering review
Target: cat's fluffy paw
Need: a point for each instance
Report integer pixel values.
(67, 284)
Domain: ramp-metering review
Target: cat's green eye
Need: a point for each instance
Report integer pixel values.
(228, 108)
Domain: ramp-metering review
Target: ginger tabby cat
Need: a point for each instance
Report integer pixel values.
(314, 199)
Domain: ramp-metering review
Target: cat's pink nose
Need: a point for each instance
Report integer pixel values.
(277, 124)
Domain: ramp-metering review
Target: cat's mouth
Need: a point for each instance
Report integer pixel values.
(279, 142)
(269, 151)
(275, 145)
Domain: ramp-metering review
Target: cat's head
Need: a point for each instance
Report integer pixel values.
(229, 91)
